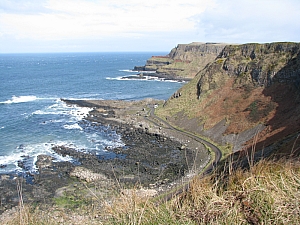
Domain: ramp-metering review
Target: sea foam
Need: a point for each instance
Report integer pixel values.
(72, 126)
(61, 108)
(20, 99)
(136, 77)
(28, 154)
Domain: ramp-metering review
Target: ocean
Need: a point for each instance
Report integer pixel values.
(33, 118)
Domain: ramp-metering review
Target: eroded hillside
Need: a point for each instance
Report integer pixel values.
(247, 97)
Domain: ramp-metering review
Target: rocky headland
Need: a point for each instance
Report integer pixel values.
(183, 62)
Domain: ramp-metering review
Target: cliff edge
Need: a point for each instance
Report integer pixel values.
(183, 61)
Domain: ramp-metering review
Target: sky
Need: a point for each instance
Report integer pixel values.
(28, 26)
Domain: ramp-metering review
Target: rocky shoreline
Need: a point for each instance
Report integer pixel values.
(153, 157)
(153, 75)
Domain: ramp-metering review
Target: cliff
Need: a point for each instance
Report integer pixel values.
(246, 98)
(254, 65)
(183, 61)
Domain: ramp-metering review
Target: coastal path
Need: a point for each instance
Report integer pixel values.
(217, 152)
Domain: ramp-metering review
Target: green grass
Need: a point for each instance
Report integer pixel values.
(160, 59)
(70, 202)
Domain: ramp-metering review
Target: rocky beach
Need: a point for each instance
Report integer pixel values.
(154, 157)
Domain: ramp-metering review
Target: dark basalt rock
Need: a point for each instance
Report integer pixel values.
(147, 158)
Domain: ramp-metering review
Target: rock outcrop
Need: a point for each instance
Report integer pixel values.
(183, 61)
(255, 65)
(247, 98)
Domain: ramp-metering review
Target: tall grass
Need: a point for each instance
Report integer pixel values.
(24, 214)
(266, 193)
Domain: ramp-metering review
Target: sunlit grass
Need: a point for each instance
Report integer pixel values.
(266, 193)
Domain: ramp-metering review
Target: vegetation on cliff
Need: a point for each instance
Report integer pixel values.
(248, 91)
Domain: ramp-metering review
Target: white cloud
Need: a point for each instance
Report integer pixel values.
(69, 19)
(247, 21)
(139, 25)
(22, 6)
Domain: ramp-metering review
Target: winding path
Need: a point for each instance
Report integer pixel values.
(215, 149)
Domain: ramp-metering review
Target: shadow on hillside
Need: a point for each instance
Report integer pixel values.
(284, 128)
(282, 134)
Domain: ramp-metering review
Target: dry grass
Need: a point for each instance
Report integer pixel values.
(267, 193)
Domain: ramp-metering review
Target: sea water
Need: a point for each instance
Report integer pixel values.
(33, 119)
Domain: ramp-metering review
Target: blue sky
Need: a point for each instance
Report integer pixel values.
(142, 25)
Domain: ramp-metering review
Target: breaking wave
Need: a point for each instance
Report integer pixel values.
(20, 99)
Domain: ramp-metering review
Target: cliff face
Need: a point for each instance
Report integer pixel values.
(184, 61)
(250, 94)
(254, 65)
(187, 52)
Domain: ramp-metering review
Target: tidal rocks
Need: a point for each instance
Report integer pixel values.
(44, 161)
(86, 175)
(147, 158)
